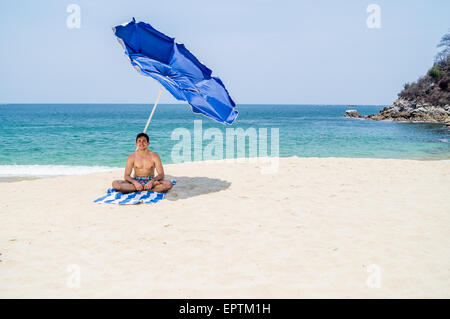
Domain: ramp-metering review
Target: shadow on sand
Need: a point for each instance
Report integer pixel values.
(194, 186)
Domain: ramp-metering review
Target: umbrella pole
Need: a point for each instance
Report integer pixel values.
(151, 114)
(149, 119)
(153, 111)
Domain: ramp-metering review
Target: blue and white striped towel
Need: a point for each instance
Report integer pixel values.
(146, 197)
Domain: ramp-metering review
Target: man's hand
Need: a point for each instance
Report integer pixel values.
(150, 184)
(138, 186)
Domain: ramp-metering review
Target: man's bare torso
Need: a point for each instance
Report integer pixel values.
(144, 164)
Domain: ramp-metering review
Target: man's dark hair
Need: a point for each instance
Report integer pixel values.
(144, 135)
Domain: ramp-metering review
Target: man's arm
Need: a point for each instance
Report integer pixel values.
(128, 170)
(159, 168)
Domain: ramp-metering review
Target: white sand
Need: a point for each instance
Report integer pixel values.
(226, 230)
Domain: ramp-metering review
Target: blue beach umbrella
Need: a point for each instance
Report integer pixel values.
(156, 55)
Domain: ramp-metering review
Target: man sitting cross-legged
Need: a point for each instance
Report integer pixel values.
(144, 163)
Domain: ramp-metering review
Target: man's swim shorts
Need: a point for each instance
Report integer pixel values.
(143, 179)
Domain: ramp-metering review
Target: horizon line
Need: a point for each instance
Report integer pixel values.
(129, 103)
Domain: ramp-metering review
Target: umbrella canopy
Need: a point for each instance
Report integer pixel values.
(156, 55)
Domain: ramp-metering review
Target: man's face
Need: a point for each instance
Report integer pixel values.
(142, 143)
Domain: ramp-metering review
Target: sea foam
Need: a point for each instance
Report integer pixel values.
(50, 170)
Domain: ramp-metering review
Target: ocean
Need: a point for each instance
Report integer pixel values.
(66, 139)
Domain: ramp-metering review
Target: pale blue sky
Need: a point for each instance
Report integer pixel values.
(284, 52)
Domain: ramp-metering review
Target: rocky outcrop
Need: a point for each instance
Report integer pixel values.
(426, 100)
(413, 111)
(408, 111)
(354, 114)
